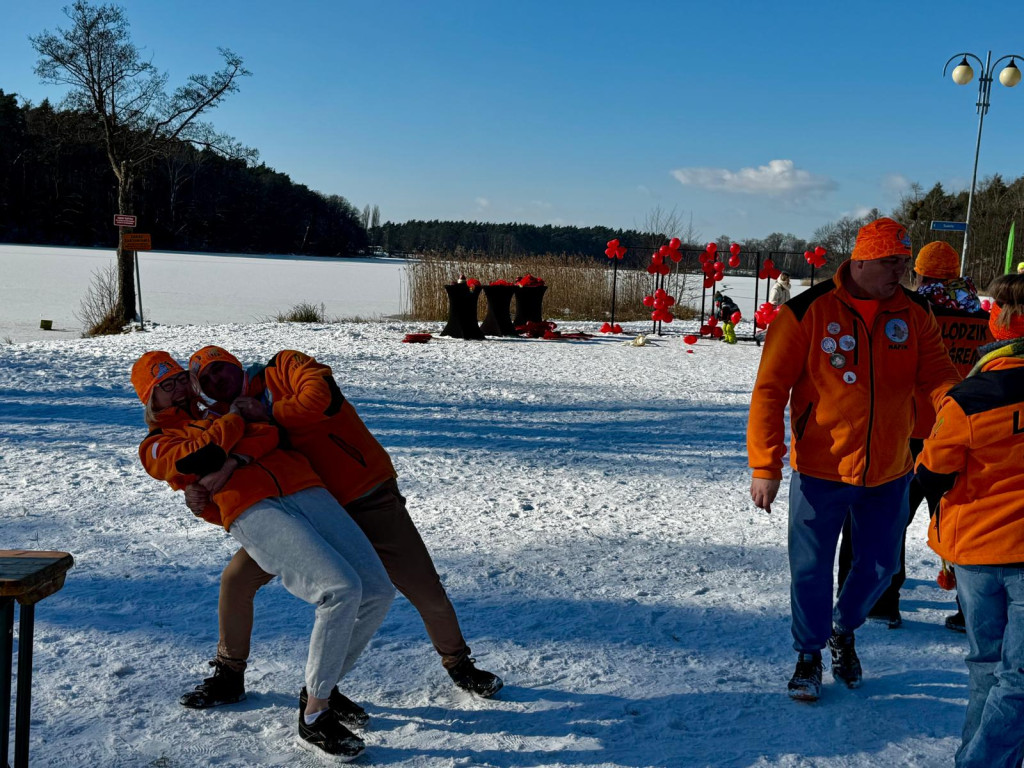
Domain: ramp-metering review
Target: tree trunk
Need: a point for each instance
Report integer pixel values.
(125, 259)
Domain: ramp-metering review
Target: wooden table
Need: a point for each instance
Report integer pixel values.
(27, 577)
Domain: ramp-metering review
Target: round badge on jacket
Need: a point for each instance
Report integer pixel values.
(846, 343)
(837, 360)
(897, 330)
(833, 327)
(828, 345)
(850, 377)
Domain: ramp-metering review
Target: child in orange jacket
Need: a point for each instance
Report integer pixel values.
(271, 501)
(973, 460)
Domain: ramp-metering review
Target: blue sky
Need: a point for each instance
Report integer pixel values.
(752, 117)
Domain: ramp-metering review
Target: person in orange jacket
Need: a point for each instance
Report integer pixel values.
(846, 356)
(972, 461)
(964, 327)
(300, 395)
(270, 500)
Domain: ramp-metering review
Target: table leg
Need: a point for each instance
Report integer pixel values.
(23, 707)
(6, 659)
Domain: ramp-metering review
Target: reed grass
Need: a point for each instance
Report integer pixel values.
(579, 288)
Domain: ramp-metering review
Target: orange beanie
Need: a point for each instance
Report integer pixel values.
(881, 238)
(207, 355)
(1012, 330)
(150, 369)
(938, 260)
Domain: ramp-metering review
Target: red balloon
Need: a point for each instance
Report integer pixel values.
(719, 266)
(664, 269)
(660, 293)
(711, 248)
(768, 264)
(674, 243)
(719, 276)
(663, 250)
(734, 261)
(775, 272)
(819, 251)
(670, 301)
(761, 275)
(808, 255)
(652, 268)
(676, 256)
(708, 282)
(606, 328)
(735, 249)
(690, 339)
(717, 332)
(648, 301)
(735, 317)
(705, 330)
(986, 305)
(660, 304)
(712, 321)
(616, 328)
(658, 259)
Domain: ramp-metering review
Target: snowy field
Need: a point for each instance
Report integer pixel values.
(586, 504)
(49, 282)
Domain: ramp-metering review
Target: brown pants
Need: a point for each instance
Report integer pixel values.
(382, 516)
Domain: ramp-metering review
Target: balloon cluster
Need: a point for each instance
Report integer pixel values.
(660, 302)
(609, 328)
(711, 328)
(734, 255)
(614, 250)
(816, 258)
(714, 270)
(529, 281)
(473, 284)
(659, 265)
(768, 269)
(765, 314)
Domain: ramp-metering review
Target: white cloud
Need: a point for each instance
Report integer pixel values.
(895, 183)
(483, 202)
(780, 178)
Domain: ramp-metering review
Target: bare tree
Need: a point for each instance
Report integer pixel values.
(108, 77)
(365, 218)
(375, 217)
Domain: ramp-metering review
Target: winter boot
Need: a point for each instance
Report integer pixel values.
(351, 714)
(845, 664)
(956, 622)
(227, 686)
(805, 685)
(474, 680)
(328, 737)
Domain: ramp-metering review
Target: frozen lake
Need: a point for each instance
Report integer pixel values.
(49, 282)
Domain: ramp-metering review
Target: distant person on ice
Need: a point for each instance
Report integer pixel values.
(975, 455)
(299, 395)
(781, 291)
(964, 326)
(270, 501)
(846, 356)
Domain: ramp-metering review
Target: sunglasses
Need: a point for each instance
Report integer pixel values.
(169, 385)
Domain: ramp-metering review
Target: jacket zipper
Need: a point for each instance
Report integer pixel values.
(351, 450)
(871, 383)
(280, 491)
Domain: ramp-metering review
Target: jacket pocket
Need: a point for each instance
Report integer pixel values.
(348, 448)
(801, 422)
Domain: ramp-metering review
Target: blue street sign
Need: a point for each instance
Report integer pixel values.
(950, 226)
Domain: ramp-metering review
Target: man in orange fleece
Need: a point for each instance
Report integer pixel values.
(300, 396)
(846, 356)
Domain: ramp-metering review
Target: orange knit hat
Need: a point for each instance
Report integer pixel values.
(150, 369)
(207, 355)
(939, 260)
(881, 238)
(1014, 329)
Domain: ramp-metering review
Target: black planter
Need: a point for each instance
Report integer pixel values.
(528, 304)
(499, 314)
(462, 323)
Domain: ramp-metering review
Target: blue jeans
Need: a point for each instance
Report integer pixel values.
(817, 510)
(993, 601)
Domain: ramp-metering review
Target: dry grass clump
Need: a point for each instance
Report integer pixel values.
(579, 287)
(100, 311)
(303, 312)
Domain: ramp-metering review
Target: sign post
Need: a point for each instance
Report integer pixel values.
(131, 241)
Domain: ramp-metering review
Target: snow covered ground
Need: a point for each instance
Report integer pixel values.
(586, 504)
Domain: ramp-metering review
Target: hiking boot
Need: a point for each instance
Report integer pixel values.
(474, 680)
(956, 622)
(805, 685)
(351, 714)
(892, 619)
(845, 664)
(329, 737)
(227, 686)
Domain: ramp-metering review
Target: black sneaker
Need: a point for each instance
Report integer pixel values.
(805, 685)
(474, 680)
(845, 664)
(956, 622)
(328, 737)
(892, 619)
(225, 687)
(351, 714)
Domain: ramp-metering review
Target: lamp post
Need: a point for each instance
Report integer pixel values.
(963, 73)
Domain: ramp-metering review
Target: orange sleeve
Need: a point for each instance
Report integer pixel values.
(782, 364)
(945, 450)
(311, 387)
(181, 454)
(259, 440)
(936, 374)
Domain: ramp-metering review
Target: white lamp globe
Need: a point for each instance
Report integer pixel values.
(962, 73)
(1010, 75)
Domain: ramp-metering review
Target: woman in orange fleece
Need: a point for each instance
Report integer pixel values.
(974, 456)
(270, 500)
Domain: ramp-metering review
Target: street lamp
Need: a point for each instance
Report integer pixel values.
(963, 73)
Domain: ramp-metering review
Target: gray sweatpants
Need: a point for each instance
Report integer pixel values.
(322, 557)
